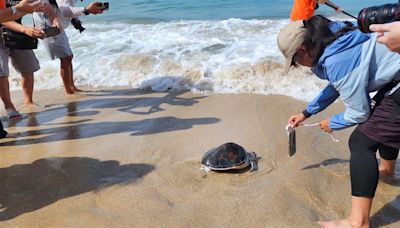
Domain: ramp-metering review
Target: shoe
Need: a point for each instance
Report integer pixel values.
(14, 115)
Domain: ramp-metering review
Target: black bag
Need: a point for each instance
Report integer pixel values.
(17, 40)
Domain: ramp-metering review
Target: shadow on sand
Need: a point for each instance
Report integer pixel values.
(327, 162)
(28, 187)
(90, 130)
(133, 102)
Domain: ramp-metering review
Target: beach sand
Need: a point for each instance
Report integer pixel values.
(120, 157)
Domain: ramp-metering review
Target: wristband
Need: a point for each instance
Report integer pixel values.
(306, 114)
(14, 10)
(86, 12)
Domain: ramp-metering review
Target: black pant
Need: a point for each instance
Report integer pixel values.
(3, 133)
(364, 171)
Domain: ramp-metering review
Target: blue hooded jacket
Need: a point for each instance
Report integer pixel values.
(354, 65)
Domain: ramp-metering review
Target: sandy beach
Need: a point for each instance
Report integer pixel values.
(119, 157)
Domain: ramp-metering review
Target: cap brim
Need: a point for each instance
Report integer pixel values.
(288, 64)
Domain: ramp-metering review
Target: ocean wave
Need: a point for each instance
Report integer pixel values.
(226, 56)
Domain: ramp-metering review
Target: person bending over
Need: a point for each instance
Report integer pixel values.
(354, 65)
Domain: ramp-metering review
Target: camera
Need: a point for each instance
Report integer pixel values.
(104, 5)
(51, 31)
(378, 15)
(77, 24)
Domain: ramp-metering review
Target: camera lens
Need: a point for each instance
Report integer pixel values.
(378, 15)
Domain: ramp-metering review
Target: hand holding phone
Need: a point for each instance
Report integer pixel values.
(104, 5)
(97, 7)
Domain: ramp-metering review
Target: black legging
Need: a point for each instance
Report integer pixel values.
(364, 171)
(3, 133)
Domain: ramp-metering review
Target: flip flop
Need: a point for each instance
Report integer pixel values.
(14, 115)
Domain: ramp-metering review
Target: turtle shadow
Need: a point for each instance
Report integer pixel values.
(28, 187)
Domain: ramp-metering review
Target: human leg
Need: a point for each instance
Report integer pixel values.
(27, 88)
(4, 83)
(58, 48)
(387, 164)
(364, 177)
(66, 72)
(5, 95)
(26, 63)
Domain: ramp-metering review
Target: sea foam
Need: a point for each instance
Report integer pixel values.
(225, 56)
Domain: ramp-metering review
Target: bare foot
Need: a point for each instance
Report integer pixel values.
(345, 223)
(69, 92)
(76, 90)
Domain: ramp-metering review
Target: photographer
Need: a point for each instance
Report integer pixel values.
(354, 65)
(13, 13)
(388, 34)
(22, 57)
(58, 46)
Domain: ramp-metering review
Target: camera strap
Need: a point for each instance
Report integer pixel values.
(376, 100)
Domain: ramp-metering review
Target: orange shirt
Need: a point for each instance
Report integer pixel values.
(2, 4)
(303, 9)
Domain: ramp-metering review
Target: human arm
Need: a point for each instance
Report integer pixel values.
(388, 34)
(22, 8)
(327, 96)
(50, 11)
(358, 106)
(32, 32)
(69, 11)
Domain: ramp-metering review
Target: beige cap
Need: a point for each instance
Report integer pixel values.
(290, 39)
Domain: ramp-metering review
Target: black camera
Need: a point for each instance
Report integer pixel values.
(378, 15)
(104, 5)
(77, 24)
(51, 31)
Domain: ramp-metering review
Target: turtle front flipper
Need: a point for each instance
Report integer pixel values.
(253, 161)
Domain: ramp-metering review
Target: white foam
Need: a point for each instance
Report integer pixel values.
(229, 56)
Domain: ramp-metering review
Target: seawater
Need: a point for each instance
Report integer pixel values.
(209, 46)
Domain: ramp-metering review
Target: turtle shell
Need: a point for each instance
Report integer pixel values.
(226, 156)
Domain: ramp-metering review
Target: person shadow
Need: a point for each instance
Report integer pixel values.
(136, 105)
(83, 130)
(28, 187)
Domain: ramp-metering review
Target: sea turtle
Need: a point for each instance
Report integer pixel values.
(229, 156)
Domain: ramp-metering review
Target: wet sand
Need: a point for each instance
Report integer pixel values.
(131, 158)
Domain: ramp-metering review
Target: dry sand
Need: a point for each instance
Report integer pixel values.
(129, 158)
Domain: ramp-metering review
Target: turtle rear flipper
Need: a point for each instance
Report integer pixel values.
(253, 161)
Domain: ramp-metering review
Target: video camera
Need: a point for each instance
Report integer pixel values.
(378, 15)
